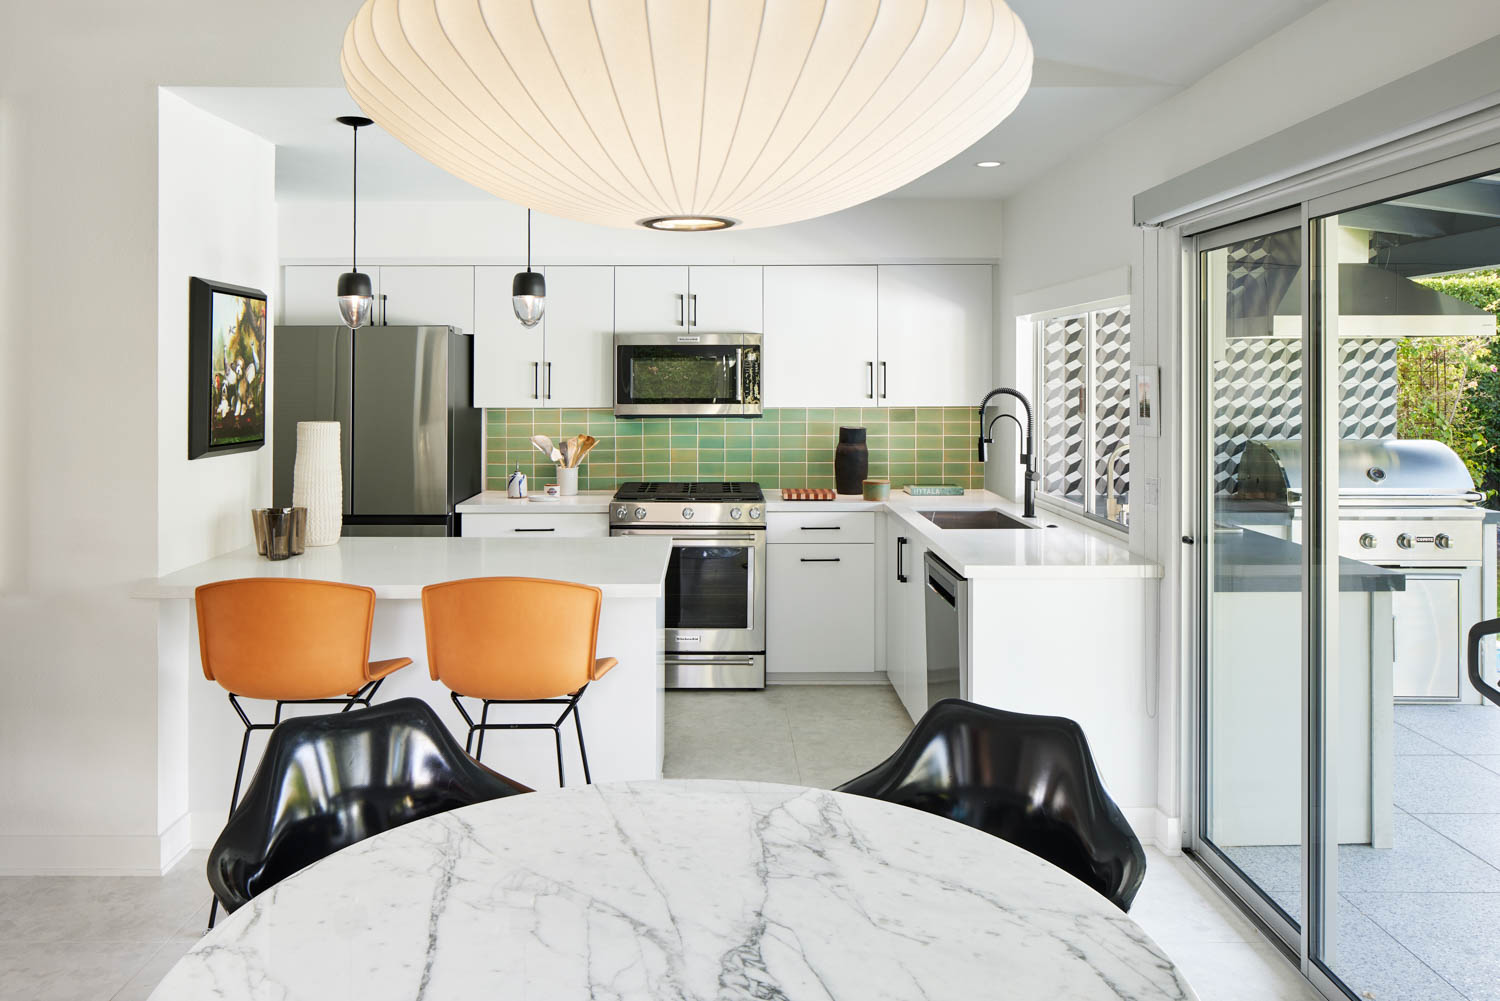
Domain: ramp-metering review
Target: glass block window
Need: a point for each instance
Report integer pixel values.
(1083, 362)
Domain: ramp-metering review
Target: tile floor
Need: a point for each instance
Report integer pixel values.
(112, 939)
(1412, 920)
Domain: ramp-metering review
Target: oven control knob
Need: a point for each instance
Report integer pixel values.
(640, 514)
(735, 513)
(1404, 540)
(1367, 541)
(1443, 540)
(755, 512)
(621, 511)
(687, 514)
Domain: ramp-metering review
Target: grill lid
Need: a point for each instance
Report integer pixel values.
(1271, 470)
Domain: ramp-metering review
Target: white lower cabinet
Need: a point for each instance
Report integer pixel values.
(558, 525)
(820, 608)
(904, 615)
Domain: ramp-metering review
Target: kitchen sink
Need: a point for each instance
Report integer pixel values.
(986, 518)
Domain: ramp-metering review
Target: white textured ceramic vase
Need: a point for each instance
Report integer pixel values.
(318, 481)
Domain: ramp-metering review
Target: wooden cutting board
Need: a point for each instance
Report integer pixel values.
(807, 494)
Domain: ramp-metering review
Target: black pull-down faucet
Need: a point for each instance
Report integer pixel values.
(1028, 443)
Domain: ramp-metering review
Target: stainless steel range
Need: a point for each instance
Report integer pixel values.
(1409, 506)
(716, 580)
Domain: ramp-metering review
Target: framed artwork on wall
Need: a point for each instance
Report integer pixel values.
(1145, 399)
(226, 368)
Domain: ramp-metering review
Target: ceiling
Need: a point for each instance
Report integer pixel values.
(1099, 63)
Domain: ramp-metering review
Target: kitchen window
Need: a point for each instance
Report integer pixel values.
(1083, 370)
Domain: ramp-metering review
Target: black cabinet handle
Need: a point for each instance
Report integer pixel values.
(821, 528)
(536, 530)
(820, 559)
(900, 570)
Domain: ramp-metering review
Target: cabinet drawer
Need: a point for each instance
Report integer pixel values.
(820, 526)
(820, 608)
(536, 526)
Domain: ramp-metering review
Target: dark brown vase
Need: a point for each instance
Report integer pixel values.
(851, 461)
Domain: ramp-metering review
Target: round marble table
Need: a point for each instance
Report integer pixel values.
(678, 890)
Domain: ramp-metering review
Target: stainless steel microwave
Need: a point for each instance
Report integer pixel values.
(684, 374)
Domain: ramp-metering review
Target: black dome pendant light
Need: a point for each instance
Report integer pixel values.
(356, 294)
(528, 291)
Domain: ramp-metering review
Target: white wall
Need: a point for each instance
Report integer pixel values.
(904, 230)
(79, 737)
(216, 211)
(1077, 221)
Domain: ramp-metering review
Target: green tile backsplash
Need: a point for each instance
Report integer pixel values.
(789, 447)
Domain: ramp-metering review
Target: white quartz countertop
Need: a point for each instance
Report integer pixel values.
(400, 567)
(1062, 548)
(495, 502)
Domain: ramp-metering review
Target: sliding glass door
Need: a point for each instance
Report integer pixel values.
(1347, 461)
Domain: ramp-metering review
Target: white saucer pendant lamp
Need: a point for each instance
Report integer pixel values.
(687, 115)
(318, 480)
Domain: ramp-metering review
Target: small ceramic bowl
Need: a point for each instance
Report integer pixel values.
(552, 490)
(877, 490)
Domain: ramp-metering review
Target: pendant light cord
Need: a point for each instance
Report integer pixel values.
(528, 240)
(354, 208)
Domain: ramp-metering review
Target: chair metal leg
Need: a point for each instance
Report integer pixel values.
(582, 753)
(557, 739)
(484, 718)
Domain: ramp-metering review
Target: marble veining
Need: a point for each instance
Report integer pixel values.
(680, 889)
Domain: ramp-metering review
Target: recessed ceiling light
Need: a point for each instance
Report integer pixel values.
(990, 163)
(697, 113)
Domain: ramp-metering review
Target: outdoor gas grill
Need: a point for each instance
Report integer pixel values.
(1409, 506)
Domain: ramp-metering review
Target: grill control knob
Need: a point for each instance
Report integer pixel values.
(687, 514)
(1367, 541)
(621, 511)
(640, 514)
(1404, 540)
(755, 512)
(1443, 540)
(735, 513)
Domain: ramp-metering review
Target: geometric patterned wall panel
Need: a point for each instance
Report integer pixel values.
(1064, 389)
(1111, 405)
(1257, 391)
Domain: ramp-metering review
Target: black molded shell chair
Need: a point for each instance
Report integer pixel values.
(327, 782)
(1029, 780)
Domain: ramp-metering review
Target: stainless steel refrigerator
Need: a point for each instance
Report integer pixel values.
(411, 434)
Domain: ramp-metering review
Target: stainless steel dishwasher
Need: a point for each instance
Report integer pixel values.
(946, 599)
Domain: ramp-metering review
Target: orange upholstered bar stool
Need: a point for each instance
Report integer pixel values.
(515, 640)
(294, 642)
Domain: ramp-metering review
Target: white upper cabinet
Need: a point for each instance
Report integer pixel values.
(649, 300)
(427, 294)
(309, 294)
(724, 300)
(508, 357)
(578, 370)
(936, 334)
(820, 337)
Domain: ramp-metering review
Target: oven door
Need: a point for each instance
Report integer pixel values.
(676, 374)
(715, 589)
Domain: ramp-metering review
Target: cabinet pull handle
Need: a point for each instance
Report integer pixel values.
(870, 376)
(549, 380)
(820, 559)
(693, 310)
(535, 529)
(679, 309)
(822, 528)
(900, 570)
(536, 370)
(882, 380)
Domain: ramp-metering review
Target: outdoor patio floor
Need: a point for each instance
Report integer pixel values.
(1414, 921)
